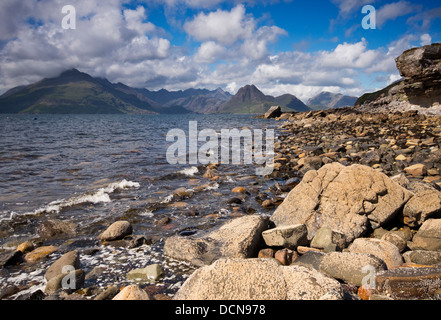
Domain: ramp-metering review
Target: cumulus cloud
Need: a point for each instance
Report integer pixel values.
(225, 27)
(104, 35)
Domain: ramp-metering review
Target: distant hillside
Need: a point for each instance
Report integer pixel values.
(75, 92)
(194, 100)
(250, 99)
(328, 100)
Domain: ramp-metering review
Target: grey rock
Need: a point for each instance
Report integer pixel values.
(381, 249)
(349, 200)
(71, 258)
(396, 240)
(238, 238)
(350, 267)
(423, 257)
(328, 240)
(70, 281)
(288, 236)
(150, 273)
(116, 231)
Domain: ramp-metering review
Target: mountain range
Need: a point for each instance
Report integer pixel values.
(328, 100)
(77, 92)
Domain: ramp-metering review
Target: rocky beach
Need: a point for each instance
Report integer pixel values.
(352, 211)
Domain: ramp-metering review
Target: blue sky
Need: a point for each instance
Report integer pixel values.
(281, 46)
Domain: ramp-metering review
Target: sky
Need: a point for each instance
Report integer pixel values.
(281, 46)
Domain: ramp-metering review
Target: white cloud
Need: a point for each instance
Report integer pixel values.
(348, 55)
(225, 27)
(210, 52)
(426, 39)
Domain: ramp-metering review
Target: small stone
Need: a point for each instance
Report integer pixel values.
(40, 253)
(401, 157)
(107, 294)
(423, 257)
(69, 281)
(328, 240)
(116, 231)
(163, 221)
(288, 236)
(71, 259)
(26, 247)
(239, 190)
(303, 249)
(152, 272)
(267, 253)
(384, 250)
(365, 292)
(396, 240)
(286, 256)
(416, 170)
(267, 204)
(132, 292)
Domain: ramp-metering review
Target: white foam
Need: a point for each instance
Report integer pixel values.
(102, 195)
(189, 171)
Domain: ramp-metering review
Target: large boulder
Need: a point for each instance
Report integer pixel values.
(258, 279)
(414, 62)
(349, 200)
(238, 238)
(273, 112)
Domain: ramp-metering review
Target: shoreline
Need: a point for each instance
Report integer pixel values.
(308, 142)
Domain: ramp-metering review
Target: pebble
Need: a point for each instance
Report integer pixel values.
(40, 253)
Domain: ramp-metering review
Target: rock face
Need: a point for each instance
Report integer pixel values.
(421, 87)
(348, 200)
(421, 69)
(238, 238)
(258, 279)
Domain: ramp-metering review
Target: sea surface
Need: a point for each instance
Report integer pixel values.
(92, 170)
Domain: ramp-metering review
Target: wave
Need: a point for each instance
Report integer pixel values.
(189, 171)
(101, 195)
